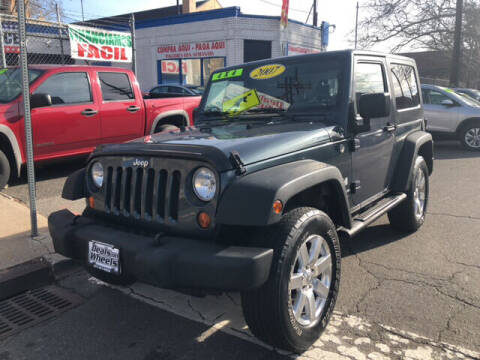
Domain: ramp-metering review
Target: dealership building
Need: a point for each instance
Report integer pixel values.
(187, 48)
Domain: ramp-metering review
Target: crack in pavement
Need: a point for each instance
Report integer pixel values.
(195, 310)
(455, 216)
(132, 291)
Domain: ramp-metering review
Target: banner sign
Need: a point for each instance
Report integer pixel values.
(11, 41)
(99, 45)
(192, 50)
(284, 17)
(300, 50)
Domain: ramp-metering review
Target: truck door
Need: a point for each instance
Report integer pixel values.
(72, 124)
(121, 109)
(371, 160)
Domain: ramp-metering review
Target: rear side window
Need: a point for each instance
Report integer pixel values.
(405, 86)
(67, 88)
(115, 86)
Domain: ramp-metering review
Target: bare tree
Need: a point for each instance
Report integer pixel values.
(38, 9)
(405, 25)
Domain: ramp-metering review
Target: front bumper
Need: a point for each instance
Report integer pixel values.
(164, 261)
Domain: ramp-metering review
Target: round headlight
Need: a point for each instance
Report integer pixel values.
(97, 174)
(204, 184)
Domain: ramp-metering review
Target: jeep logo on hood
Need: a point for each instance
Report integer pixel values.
(136, 163)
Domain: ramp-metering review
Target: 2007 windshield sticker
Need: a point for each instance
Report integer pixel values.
(227, 74)
(267, 71)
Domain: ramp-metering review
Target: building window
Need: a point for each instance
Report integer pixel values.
(256, 50)
(188, 71)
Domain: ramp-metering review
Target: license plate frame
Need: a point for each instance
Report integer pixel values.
(103, 256)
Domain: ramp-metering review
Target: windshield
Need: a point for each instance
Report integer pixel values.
(463, 98)
(11, 83)
(312, 85)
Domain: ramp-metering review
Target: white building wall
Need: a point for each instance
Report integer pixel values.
(231, 29)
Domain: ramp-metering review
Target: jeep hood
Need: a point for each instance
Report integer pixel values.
(252, 143)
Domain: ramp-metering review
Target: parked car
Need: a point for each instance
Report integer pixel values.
(166, 91)
(254, 198)
(75, 108)
(452, 116)
(473, 93)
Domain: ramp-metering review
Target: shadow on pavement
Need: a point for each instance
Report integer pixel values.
(371, 238)
(445, 150)
(51, 170)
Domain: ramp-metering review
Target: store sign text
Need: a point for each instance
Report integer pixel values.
(192, 50)
(100, 45)
(11, 41)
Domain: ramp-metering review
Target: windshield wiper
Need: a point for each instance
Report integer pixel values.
(266, 111)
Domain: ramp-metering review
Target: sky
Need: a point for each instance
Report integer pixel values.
(338, 12)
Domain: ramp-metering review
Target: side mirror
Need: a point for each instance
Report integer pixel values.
(40, 100)
(372, 106)
(447, 102)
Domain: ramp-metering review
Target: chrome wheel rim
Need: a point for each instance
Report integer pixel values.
(310, 280)
(419, 194)
(472, 137)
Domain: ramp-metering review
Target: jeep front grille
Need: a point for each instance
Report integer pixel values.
(142, 193)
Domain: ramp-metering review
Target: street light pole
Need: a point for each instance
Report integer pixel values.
(315, 15)
(356, 27)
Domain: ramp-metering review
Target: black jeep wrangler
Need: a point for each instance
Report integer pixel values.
(286, 155)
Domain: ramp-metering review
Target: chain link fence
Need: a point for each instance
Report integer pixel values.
(48, 42)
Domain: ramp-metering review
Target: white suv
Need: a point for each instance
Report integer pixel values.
(452, 115)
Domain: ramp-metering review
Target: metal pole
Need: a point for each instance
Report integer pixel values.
(457, 46)
(356, 27)
(178, 7)
(27, 118)
(81, 4)
(315, 15)
(2, 49)
(60, 33)
(134, 50)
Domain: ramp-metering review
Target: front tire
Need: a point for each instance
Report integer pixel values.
(410, 214)
(5, 170)
(293, 307)
(470, 137)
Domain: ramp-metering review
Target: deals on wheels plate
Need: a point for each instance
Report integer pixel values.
(104, 257)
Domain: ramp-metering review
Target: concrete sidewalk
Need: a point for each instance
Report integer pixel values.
(16, 244)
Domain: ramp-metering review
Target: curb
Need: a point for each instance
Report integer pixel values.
(22, 277)
(34, 274)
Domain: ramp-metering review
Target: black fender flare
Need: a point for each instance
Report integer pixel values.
(248, 201)
(75, 186)
(415, 143)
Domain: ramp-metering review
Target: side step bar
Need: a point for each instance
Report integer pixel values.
(362, 220)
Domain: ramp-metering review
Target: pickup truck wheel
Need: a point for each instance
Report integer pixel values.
(470, 137)
(410, 214)
(293, 307)
(4, 170)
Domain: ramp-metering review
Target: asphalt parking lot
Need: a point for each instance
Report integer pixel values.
(416, 292)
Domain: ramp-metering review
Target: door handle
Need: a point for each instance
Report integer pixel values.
(89, 112)
(133, 108)
(390, 127)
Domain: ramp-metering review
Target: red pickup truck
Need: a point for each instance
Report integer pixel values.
(76, 108)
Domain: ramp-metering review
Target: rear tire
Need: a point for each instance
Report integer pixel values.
(410, 214)
(291, 310)
(5, 170)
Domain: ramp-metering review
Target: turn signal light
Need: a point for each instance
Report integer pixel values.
(91, 202)
(277, 207)
(204, 220)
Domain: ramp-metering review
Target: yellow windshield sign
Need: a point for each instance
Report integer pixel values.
(3, 71)
(241, 103)
(267, 71)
